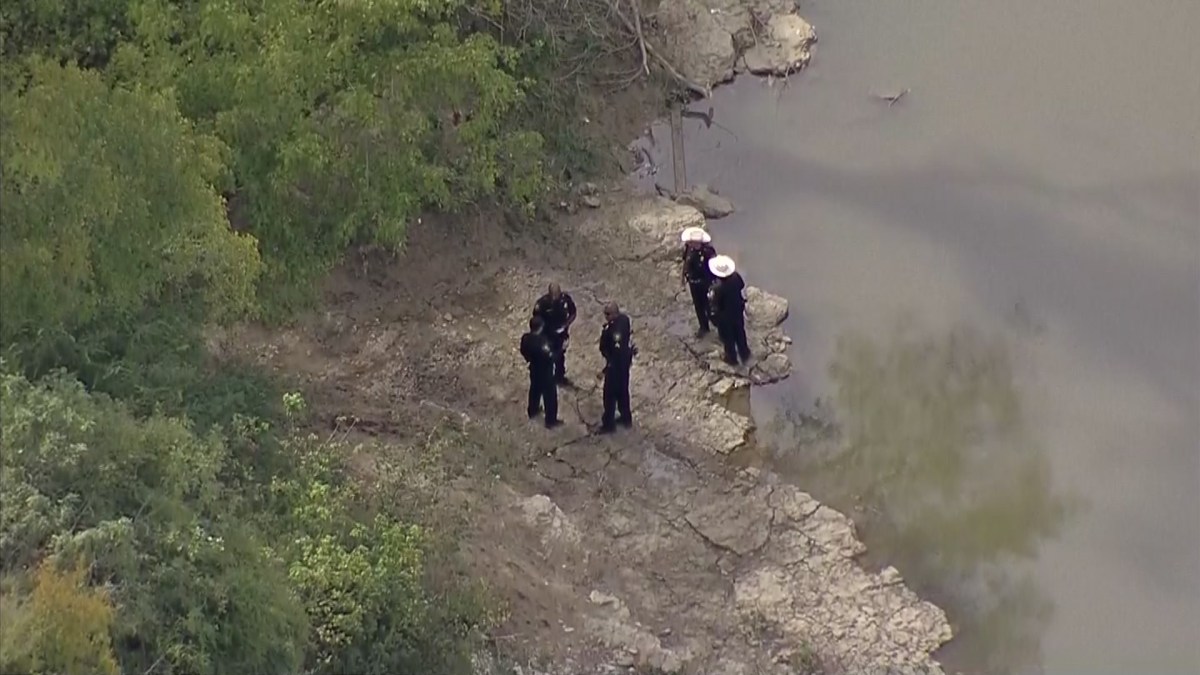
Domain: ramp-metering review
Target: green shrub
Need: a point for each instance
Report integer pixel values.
(213, 571)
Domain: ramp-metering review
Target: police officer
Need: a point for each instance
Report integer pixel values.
(539, 354)
(557, 310)
(728, 308)
(618, 350)
(697, 251)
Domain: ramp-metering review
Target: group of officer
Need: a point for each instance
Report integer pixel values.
(717, 295)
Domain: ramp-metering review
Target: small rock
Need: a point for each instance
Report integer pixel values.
(447, 317)
(624, 659)
(725, 385)
(587, 189)
(890, 575)
(544, 515)
(711, 204)
(772, 368)
(601, 598)
(590, 201)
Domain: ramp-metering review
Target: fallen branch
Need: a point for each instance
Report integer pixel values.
(637, 22)
(709, 120)
(704, 92)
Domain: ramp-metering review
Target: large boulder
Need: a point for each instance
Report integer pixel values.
(784, 49)
(662, 222)
(700, 37)
(704, 198)
(764, 310)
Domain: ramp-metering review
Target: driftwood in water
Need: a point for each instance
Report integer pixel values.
(893, 97)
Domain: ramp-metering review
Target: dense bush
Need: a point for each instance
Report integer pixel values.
(108, 208)
(169, 165)
(208, 573)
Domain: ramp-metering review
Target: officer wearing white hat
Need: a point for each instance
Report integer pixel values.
(697, 252)
(728, 308)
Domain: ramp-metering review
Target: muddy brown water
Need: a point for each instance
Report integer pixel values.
(995, 282)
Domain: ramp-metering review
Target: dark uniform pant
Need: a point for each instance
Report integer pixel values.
(616, 395)
(733, 337)
(558, 342)
(700, 302)
(542, 390)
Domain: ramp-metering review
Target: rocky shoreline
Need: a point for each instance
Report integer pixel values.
(791, 560)
(779, 561)
(640, 551)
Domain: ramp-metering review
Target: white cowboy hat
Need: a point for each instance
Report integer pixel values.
(721, 266)
(695, 234)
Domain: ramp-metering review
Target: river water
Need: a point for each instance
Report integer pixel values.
(995, 283)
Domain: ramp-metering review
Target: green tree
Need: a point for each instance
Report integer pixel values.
(78, 31)
(345, 119)
(108, 207)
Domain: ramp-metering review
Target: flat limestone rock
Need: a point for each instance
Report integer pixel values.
(785, 49)
(723, 431)
(737, 522)
(808, 583)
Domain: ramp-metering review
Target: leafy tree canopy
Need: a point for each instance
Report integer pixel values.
(108, 207)
(346, 119)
